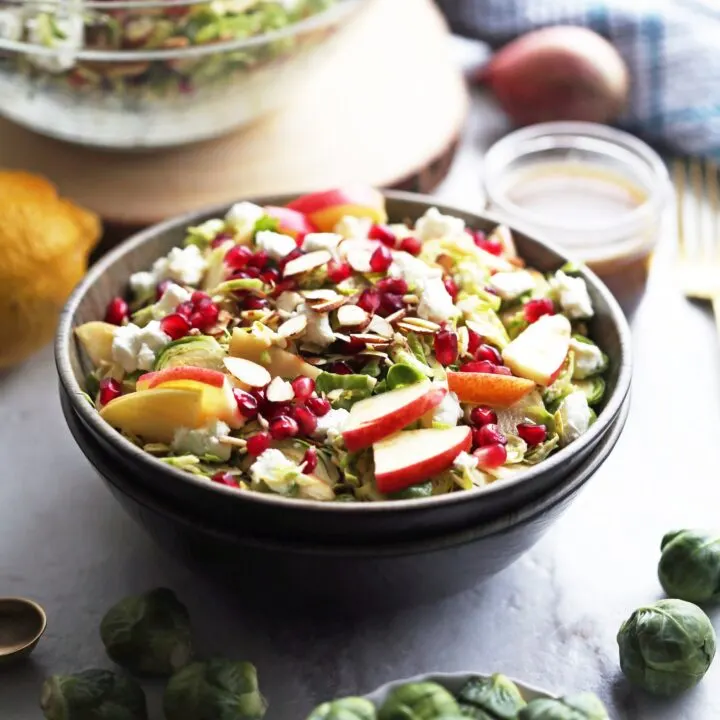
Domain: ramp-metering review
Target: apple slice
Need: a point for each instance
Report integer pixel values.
(155, 415)
(538, 353)
(325, 209)
(498, 391)
(410, 457)
(149, 380)
(382, 415)
(97, 339)
(290, 222)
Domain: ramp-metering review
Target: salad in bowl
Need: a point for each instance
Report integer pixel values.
(324, 351)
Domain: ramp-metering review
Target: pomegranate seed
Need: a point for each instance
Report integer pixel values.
(369, 300)
(203, 302)
(205, 318)
(353, 347)
(117, 311)
(292, 255)
(340, 368)
(283, 427)
(199, 296)
(257, 444)
(478, 366)
(411, 245)
(338, 271)
(491, 456)
(502, 370)
(238, 257)
(381, 259)
(392, 285)
(451, 287)
(262, 403)
(247, 404)
(306, 420)
(300, 238)
(488, 435)
(175, 325)
(303, 387)
(161, 287)
(258, 260)
(390, 303)
(185, 309)
(252, 272)
(489, 353)
(446, 347)
(474, 341)
(270, 276)
(284, 286)
(535, 309)
(480, 416)
(251, 302)
(310, 460)
(383, 234)
(224, 478)
(318, 406)
(490, 290)
(109, 390)
(532, 434)
(494, 247)
(219, 239)
(275, 410)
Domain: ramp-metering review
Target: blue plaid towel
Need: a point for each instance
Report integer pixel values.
(672, 48)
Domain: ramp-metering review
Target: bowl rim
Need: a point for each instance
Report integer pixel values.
(326, 17)
(91, 417)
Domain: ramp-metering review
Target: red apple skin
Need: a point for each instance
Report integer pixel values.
(187, 372)
(405, 477)
(366, 435)
(325, 209)
(290, 222)
(499, 391)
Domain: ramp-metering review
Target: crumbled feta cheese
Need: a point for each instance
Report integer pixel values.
(435, 301)
(276, 245)
(448, 412)
(318, 331)
(202, 441)
(129, 341)
(321, 241)
(412, 270)
(288, 301)
(181, 265)
(589, 359)
(575, 416)
(331, 424)
(351, 227)
(142, 284)
(433, 225)
(242, 217)
(65, 35)
(145, 358)
(510, 285)
(153, 336)
(465, 460)
(276, 471)
(11, 24)
(171, 298)
(573, 295)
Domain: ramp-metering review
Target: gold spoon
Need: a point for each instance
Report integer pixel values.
(22, 623)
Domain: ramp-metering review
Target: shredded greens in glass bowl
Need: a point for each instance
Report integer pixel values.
(322, 351)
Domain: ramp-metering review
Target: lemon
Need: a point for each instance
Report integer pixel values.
(45, 242)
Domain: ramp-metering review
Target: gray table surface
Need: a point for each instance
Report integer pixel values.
(550, 619)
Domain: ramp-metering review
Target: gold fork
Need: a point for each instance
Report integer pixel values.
(697, 191)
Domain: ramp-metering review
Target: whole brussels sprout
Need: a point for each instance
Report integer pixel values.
(689, 567)
(148, 634)
(214, 690)
(351, 708)
(583, 706)
(496, 697)
(666, 647)
(93, 695)
(419, 701)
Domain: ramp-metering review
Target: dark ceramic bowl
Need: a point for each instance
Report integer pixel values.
(399, 572)
(277, 518)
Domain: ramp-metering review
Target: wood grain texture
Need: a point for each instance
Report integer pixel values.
(385, 109)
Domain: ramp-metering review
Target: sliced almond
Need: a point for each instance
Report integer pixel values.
(230, 440)
(342, 337)
(380, 326)
(247, 372)
(411, 299)
(422, 323)
(279, 390)
(396, 316)
(306, 262)
(321, 294)
(329, 305)
(359, 259)
(415, 328)
(352, 316)
(372, 340)
(316, 360)
(294, 327)
(374, 353)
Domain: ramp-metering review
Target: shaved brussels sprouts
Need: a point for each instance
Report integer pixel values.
(419, 701)
(497, 698)
(214, 690)
(351, 708)
(401, 375)
(667, 647)
(594, 389)
(420, 490)
(689, 566)
(148, 634)
(583, 706)
(93, 695)
(201, 351)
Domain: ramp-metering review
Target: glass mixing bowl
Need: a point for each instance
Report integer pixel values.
(137, 74)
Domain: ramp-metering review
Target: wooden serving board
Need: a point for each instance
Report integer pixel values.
(386, 109)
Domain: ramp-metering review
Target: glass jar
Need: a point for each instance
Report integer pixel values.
(599, 193)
